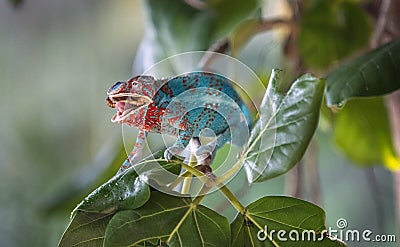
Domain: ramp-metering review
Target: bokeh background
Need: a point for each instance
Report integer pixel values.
(57, 59)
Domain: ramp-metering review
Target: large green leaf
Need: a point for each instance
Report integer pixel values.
(374, 73)
(127, 190)
(123, 191)
(86, 229)
(362, 131)
(266, 217)
(331, 30)
(91, 216)
(287, 123)
(168, 219)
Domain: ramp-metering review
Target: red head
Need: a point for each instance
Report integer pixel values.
(130, 96)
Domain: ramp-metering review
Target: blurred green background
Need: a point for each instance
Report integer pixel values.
(57, 60)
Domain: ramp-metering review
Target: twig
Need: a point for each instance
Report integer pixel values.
(219, 47)
(381, 23)
(266, 25)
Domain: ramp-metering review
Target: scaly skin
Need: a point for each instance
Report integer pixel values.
(182, 106)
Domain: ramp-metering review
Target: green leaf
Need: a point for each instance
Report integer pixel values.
(331, 30)
(86, 229)
(372, 74)
(286, 125)
(272, 214)
(123, 191)
(168, 219)
(363, 132)
(91, 216)
(127, 190)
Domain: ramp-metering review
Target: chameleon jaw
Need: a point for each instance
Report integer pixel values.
(126, 104)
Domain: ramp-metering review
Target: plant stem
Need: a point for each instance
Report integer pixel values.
(180, 178)
(232, 198)
(188, 180)
(197, 173)
(201, 195)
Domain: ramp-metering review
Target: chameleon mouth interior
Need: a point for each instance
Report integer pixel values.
(125, 104)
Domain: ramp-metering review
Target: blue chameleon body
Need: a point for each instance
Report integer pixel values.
(182, 106)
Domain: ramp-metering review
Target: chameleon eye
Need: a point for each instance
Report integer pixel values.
(133, 81)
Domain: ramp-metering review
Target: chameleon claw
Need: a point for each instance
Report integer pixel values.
(173, 151)
(207, 171)
(168, 155)
(204, 154)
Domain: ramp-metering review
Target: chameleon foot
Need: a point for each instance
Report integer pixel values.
(204, 154)
(205, 168)
(207, 171)
(168, 155)
(173, 151)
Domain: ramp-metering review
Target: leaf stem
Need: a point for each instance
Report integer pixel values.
(188, 180)
(201, 194)
(180, 178)
(242, 209)
(197, 173)
(261, 228)
(232, 198)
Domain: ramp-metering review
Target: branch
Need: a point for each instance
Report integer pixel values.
(381, 23)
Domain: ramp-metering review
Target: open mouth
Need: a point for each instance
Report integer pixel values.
(126, 104)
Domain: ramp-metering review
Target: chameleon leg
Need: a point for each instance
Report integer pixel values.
(205, 153)
(179, 145)
(136, 152)
(203, 163)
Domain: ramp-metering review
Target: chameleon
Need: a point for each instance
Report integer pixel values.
(183, 107)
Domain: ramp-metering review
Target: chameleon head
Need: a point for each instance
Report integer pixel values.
(130, 96)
